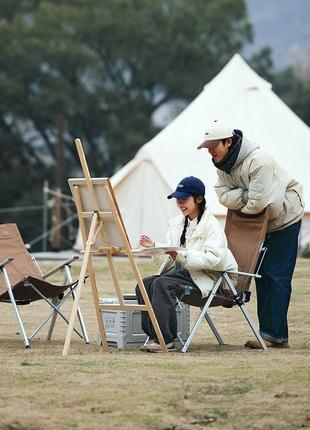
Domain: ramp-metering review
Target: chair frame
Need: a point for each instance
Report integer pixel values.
(238, 299)
(54, 303)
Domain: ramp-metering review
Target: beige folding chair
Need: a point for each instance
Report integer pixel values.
(245, 236)
(22, 282)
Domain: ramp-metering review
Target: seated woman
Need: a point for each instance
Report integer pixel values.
(205, 253)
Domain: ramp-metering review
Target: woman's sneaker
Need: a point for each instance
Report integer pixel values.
(155, 347)
(145, 346)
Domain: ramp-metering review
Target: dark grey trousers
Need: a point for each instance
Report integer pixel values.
(161, 291)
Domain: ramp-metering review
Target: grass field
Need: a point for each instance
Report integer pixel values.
(228, 387)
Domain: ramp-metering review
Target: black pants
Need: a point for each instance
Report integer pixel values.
(161, 291)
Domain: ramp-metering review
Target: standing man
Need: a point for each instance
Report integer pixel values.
(249, 180)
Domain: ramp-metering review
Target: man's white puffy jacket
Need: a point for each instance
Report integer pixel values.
(257, 181)
(206, 251)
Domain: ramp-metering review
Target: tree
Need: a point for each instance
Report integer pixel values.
(100, 70)
(294, 90)
(105, 80)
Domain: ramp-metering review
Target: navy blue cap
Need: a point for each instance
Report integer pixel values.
(189, 186)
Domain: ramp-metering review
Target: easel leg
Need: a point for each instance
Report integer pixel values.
(147, 302)
(98, 311)
(76, 302)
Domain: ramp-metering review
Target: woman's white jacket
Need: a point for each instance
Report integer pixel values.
(206, 252)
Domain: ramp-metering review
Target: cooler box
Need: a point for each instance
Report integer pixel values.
(123, 328)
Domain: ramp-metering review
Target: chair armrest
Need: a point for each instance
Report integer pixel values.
(5, 262)
(61, 266)
(235, 272)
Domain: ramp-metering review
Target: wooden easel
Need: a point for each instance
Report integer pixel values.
(103, 233)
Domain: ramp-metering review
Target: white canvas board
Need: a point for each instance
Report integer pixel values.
(104, 205)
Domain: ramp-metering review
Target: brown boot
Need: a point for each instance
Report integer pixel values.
(254, 344)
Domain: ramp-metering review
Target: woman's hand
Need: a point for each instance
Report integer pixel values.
(146, 241)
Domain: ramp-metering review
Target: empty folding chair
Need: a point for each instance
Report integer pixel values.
(22, 283)
(245, 236)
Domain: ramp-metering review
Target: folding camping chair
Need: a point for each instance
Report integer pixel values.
(245, 236)
(23, 283)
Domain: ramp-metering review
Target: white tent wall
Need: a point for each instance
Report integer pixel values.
(143, 202)
(237, 95)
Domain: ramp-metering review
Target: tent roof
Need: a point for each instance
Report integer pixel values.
(239, 96)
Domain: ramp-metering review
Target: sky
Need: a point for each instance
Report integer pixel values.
(284, 25)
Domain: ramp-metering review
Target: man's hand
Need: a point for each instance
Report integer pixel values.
(146, 241)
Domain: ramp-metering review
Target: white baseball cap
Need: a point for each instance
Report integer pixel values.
(217, 130)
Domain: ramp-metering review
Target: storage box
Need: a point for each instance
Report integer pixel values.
(123, 328)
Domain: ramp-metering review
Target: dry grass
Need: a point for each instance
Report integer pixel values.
(210, 386)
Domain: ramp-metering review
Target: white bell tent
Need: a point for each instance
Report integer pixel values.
(238, 96)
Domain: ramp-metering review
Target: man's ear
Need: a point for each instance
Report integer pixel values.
(229, 141)
(199, 199)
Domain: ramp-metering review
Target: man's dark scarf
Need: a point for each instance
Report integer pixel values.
(229, 161)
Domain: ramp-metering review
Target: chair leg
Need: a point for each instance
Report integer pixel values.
(214, 329)
(201, 315)
(55, 302)
(253, 327)
(179, 307)
(82, 324)
(51, 314)
(17, 314)
(55, 308)
(180, 339)
(79, 313)
(244, 311)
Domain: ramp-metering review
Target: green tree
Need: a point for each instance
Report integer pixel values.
(294, 90)
(99, 70)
